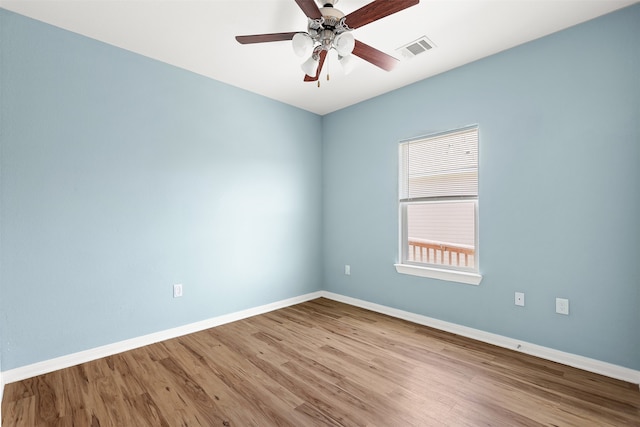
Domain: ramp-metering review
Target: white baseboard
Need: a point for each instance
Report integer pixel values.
(66, 361)
(580, 362)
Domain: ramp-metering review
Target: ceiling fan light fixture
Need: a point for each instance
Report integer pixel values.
(302, 44)
(329, 30)
(344, 43)
(347, 63)
(309, 66)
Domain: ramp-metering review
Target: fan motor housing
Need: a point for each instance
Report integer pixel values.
(331, 16)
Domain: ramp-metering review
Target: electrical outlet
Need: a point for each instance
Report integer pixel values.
(347, 270)
(562, 306)
(177, 290)
(519, 300)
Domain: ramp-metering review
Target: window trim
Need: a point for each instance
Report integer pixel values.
(466, 276)
(440, 274)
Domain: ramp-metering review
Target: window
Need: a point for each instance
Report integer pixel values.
(439, 206)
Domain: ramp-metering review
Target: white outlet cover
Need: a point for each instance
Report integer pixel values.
(177, 290)
(519, 299)
(562, 306)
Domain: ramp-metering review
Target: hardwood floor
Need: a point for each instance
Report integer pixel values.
(320, 363)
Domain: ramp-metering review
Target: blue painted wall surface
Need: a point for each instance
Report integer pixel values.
(122, 176)
(559, 123)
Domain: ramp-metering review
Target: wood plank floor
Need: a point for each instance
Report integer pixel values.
(315, 364)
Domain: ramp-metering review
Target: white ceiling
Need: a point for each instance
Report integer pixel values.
(198, 35)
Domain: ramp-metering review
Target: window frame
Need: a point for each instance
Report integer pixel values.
(467, 275)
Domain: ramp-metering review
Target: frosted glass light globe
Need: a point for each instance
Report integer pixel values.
(344, 43)
(309, 66)
(302, 44)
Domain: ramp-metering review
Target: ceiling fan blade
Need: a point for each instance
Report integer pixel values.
(310, 8)
(374, 56)
(323, 56)
(375, 10)
(262, 38)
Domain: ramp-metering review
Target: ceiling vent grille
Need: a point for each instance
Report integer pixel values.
(416, 47)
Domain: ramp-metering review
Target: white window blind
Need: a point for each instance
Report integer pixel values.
(440, 166)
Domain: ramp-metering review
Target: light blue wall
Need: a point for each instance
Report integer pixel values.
(559, 191)
(122, 176)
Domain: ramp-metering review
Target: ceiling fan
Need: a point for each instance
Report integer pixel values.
(328, 28)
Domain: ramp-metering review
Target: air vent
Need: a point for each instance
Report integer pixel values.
(416, 47)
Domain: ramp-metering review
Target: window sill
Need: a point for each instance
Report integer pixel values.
(435, 273)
